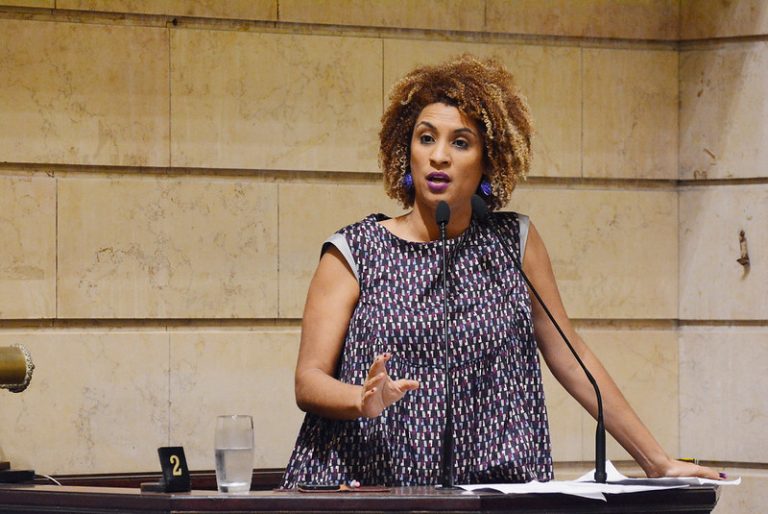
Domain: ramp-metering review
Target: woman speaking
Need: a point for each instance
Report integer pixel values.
(371, 372)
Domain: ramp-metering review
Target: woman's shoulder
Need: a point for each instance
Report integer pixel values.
(510, 220)
(507, 216)
(512, 225)
(355, 241)
(363, 226)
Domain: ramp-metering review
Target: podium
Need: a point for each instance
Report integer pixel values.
(84, 499)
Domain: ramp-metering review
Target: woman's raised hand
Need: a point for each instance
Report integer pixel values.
(379, 390)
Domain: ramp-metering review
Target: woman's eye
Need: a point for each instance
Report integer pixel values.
(426, 138)
(461, 143)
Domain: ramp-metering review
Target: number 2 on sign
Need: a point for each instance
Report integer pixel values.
(176, 465)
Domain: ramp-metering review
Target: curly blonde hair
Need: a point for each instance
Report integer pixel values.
(484, 91)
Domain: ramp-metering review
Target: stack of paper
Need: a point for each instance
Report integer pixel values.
(585, 486)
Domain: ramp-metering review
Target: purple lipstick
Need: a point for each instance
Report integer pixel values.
(438, 182)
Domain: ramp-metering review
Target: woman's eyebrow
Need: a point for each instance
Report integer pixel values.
(456, 131)
(464, 129)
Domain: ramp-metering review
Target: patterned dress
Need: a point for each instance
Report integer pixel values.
(500, 421)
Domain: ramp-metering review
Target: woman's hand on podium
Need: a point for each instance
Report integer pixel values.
(379, 390)
(679, 468)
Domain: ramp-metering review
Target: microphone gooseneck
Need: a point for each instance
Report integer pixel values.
(480, 211)
(442, 216)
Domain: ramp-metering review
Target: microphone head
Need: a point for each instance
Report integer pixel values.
(479, 209)
(442, 214)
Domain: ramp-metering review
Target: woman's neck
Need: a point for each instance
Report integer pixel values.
(419, 225)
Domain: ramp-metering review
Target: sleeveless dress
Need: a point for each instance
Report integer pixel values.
(501, 431)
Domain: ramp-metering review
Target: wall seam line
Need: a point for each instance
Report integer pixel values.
(170, 100)
(170, 165)
(679, 241)
(56, 248)
(581, 135)
(170, 404)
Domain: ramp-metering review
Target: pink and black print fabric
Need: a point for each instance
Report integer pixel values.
(500, 420)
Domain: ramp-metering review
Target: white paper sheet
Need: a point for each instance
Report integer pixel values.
(585, 487)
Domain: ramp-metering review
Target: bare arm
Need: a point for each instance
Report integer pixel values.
(331, 300)
(620, 419)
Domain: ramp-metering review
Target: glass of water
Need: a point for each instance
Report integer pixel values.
(234, 453)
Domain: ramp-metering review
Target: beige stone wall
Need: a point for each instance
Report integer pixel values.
(169, 168)
(724, 190)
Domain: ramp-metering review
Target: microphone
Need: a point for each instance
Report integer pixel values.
(442, 215)
(480, 211)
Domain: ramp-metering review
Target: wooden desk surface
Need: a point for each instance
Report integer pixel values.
(78, 499)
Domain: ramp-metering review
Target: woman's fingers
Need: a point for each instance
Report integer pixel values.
(406, 385)
(379, 364)
(373, 381)
(367, 394)
(688, 469)
(379, 390)
(705, 472)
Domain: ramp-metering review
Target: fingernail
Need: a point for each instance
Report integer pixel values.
(723, 475)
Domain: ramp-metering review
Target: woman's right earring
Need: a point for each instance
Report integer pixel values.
(408, 182)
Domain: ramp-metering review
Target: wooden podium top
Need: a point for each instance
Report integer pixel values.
(78, 499)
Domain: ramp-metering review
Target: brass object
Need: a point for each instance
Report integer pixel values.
(16, 368)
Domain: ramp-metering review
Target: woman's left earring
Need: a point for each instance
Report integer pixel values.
(485, 188)
(408, 182)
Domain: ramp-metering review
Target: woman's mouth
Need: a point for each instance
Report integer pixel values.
(438, 182)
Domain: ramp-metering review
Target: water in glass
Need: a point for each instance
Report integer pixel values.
(233, 450)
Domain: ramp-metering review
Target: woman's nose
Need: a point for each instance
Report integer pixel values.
(440, 155)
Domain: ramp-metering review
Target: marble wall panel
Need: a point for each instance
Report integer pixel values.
(465, 15)
(723, 405)
(83, 93)
(750, 496)
(271, 101)
(28, 239)
(97, 402)
(704, 19)
(309, 213)
(233, 9)
(234, 372)
(643, 363)
(723, 109)
(157, 247)
(636, 19)
(614, 252)
(46, 4)
(550, 77)
(630, 113)
(713, 285)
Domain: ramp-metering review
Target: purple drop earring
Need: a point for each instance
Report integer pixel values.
(485, 187)
(408, 182)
